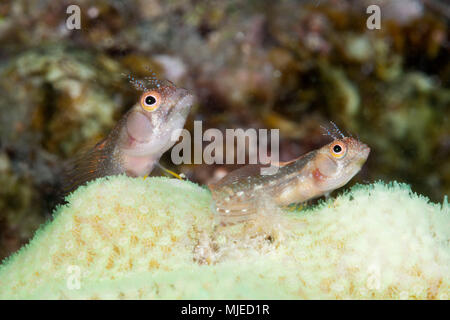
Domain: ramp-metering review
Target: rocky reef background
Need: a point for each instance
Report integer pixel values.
(292, 65)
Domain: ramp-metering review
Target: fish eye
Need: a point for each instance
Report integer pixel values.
(150, 100)
(338, 149)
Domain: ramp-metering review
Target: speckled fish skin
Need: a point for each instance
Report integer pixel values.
(137, 141)
(239, 194)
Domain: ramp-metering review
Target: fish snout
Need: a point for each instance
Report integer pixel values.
(365, 150)
(185, 99)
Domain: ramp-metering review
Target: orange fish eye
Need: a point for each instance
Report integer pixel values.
(338, 149)
(150, 100)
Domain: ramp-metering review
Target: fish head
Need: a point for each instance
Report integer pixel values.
(153, 123)
(337, 162)
(165, 104)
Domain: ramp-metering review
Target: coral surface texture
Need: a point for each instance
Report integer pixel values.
(156, 238)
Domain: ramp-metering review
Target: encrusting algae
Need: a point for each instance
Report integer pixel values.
(126, 238)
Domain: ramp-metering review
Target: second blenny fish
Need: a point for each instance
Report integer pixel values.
(138, 140)
(239, 194)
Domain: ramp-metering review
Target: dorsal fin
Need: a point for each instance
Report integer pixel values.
(243, 172)
(254, 170)
(285, 163)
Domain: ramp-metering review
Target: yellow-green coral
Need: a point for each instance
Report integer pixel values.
(121, 237)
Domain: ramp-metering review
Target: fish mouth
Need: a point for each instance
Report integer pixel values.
(180, 110)
(363, 154)
(185, 102)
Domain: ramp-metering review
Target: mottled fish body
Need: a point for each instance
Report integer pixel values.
(239, 194)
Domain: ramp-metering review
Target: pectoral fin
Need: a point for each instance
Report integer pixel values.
(89, 164)
(176, 175)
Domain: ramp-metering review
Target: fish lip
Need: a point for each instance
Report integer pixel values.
(365, 149)
(185, 102)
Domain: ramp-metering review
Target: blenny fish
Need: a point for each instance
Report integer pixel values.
(139, 138)
(238, 195)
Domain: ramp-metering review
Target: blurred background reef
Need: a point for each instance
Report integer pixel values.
(292, 65)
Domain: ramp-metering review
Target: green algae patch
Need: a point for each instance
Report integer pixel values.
(156, 238)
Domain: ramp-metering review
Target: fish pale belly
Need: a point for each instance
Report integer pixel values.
(303, 190)
(138, 166)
